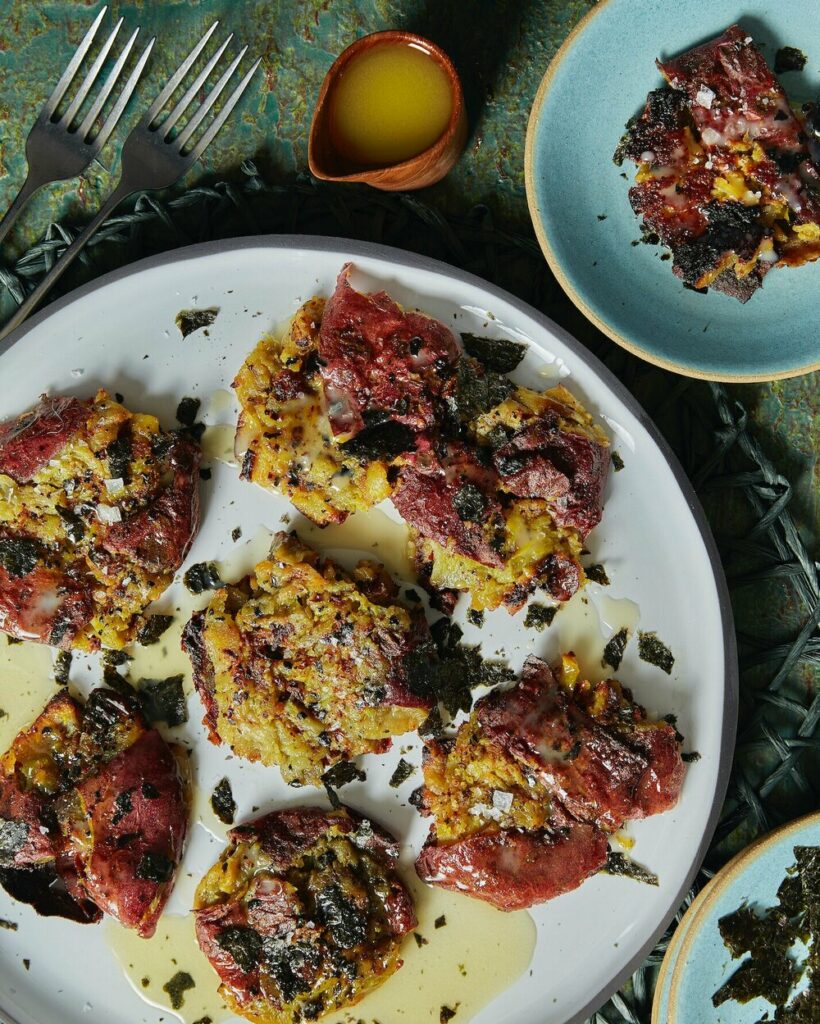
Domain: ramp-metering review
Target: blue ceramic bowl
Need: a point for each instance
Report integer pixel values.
(697, 962)
(578, 197)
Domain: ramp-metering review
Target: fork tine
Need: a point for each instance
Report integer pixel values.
(200, 112)
(125, 95)
(193, 89)
(105, 92)
(90, 78)
(74, 63)
(178, 75)
(222, 116)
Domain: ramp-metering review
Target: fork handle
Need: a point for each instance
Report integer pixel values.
(27, 190)
(32, 301)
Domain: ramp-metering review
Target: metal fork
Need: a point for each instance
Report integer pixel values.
(59, 149)
(152, 158)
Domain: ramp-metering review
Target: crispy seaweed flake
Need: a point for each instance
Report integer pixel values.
(123, 805)
(10, 926)
(446, 1014)
(119, 454)
(222, 801)
(202, 576)
(475, 618)
(236, 533)
(155, 867)
(383, 441)
(690, 756)
(243, 944)
(111, 659)
(342, 918)
(539, 616)
(597, 573)
(342, 774)
(420, 940)
(469, 503)
(288, 963)
(177, 987)
(615, 647)
(190, 320)
(789, 58)
(440, 922)
(402, 773)
(499, 354)
(620, 864)
(18, 556)
(477, 391)
(187, 411)
(62, 666)
(153, 628)
(655, 652)
(163, 700)
(430, 729)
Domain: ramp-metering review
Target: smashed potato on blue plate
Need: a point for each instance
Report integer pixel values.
(303, 665)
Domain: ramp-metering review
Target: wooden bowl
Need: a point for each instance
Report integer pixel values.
(427, 167)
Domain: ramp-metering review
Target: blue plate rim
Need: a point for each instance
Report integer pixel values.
(555, 264)
(698, 912)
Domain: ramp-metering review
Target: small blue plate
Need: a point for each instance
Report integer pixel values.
(579, 206)
(697, 963)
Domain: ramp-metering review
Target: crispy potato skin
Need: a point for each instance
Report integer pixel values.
(98, 508)
(100, 796)
(321, 912)
(527, 793)
(284, 434)
(303, 665)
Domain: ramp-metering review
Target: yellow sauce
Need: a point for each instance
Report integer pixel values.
(389, 104)
(475, 956)
(27, 672)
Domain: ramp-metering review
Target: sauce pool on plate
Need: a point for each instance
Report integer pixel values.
(389, 104)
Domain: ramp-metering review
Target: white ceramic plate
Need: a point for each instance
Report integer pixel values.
(653, 541)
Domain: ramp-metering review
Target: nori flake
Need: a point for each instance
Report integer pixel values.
(153, 628)
(236, 533)
(499, 354)
(10, 926)
(202, 576)
(469, 503)
(383, 441)
(163, 700)
(155, 867)
(222, 801)
(440, 921)
(615, 647)
(539, 616)
(243, 944)
(341, 774)
(119, 454)
(477, 392)
(597, 574)
(475, 618)
(620, 864)
(655, 652)
(342, 918)
(402, 773)
(18, 556)
(690, 756)
(62, 666)
(190, 320)
(431, 728)
(123, 806)
(74, 526)
(177, 987)
(789, 58)
(446, 1014)
(187, 411)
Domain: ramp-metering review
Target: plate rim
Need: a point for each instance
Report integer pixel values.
(706, 897)
(413, 261)
(555, 264)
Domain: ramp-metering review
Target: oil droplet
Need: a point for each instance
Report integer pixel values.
(148, 964)
(370, 534)
(217, 402)
(218, 443)
(27, 672)
(617, 613)
(464, 965)
(579, 630)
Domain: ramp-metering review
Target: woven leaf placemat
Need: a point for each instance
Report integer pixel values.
(776, 766)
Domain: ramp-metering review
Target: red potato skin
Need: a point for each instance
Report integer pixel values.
(36, 437)
(566, 469)
(159, 536)
(514, 869)
(45, 605)
(425, 497)
(614, 775)
(367, 363)
(159, 824)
